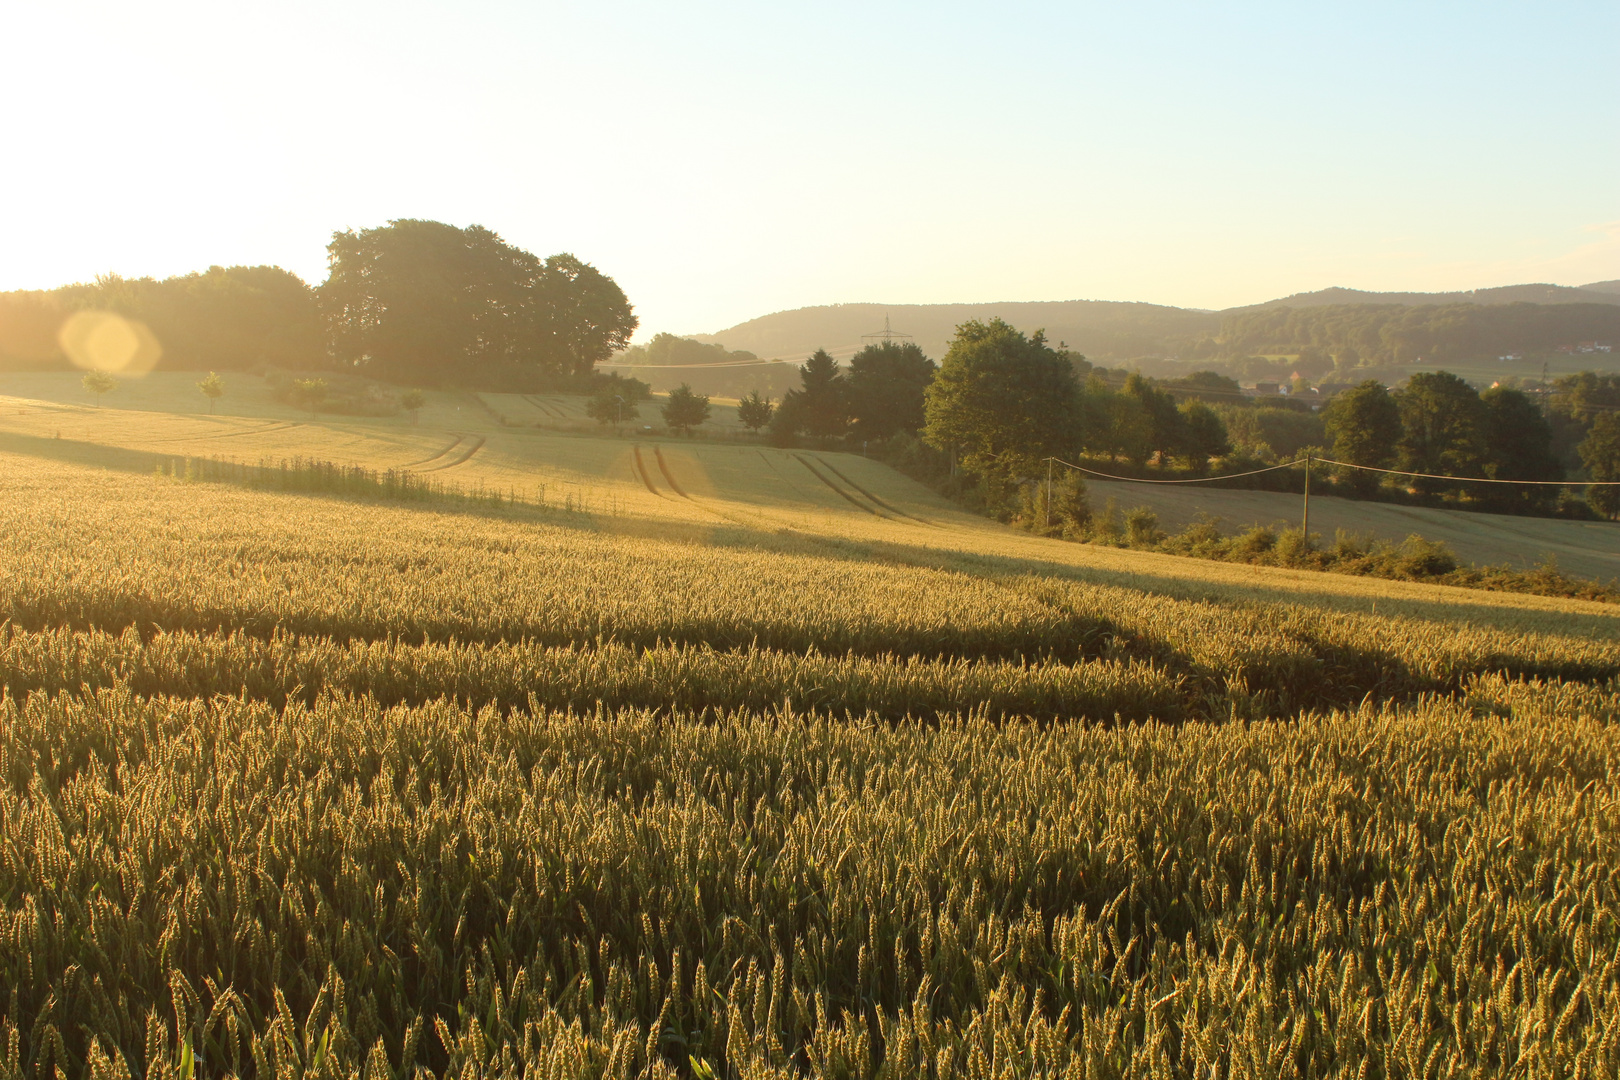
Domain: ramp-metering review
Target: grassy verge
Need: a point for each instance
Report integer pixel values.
(1413, 559)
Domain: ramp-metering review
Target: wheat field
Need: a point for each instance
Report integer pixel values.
(791, 771)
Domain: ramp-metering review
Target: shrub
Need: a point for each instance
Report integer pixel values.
(1258, 541)
(1106, 527)
(1203, 536)
(1420, 558)
(1293, 547)
(1348, 546)
(1142, 527)
(1067, 513)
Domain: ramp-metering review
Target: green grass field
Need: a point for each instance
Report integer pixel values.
(1589, 549)
(706, 759)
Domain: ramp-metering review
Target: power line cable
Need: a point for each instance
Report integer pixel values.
(1343, 464)
(1194, 480)
(1469, 479)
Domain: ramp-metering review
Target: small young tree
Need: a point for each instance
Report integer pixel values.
(213, 388)
(685, 410)
(412, 401)
(98, 383)
(309, 393)
(755, 411)
(610, 407)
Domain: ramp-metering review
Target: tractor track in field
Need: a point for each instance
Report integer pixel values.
(675, 486)
(457, 441)
(641, 471)
(545, 408)
(280, 425)
(847, 497)
(873, 498)
(663, 467)
(784, 477)
(271, 426)
(477, 444)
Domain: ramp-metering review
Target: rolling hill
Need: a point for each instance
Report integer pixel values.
(1106, 331)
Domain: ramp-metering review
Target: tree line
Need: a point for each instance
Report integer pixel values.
(410, 301)
(1000, 403)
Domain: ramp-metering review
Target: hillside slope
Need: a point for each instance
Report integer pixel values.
(1101, 329)
(1093, 327)
(541, 451)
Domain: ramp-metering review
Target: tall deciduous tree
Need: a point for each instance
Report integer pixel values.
(1005, 399)
(1600, 451)
(1365, 426)
(1159, 425)
(1518, 446)
(424, 300)
(1203, 435)
(1442, 427)
(887, 381)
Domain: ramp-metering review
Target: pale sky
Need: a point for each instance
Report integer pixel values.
(723, 161)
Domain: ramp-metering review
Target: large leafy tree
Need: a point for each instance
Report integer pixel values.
(1365, 426)
(421, 300)
(1442, 428)
(1203, 435)
(1574, 402)
(1163, 426)
(1600, 451)
(1518, 446)
(886, 385)
(1004, 399)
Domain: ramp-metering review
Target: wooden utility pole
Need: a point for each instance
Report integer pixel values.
(1305, 525)
(1046, 523)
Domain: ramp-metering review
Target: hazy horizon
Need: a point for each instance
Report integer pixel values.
(724, 162)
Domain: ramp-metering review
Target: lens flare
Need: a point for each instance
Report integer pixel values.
(104, 341)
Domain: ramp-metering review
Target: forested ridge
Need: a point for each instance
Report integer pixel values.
(1366, 327)
(1364, 334)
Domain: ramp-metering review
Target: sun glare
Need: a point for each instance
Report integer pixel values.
(104, 341)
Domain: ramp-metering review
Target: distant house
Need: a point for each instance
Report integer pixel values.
(1511, 356)
(1265, 388)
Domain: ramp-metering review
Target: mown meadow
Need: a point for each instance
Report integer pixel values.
(304, 785)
